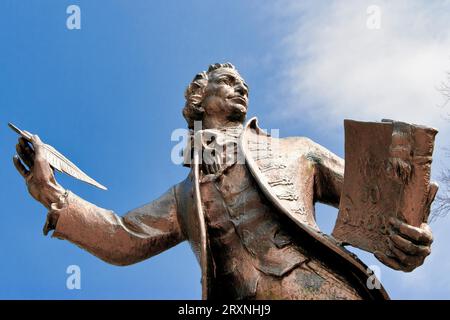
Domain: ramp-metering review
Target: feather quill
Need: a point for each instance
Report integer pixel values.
(60, 162)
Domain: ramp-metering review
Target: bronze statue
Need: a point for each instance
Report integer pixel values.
(248, 212)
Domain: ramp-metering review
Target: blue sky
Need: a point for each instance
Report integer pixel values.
(109, 96)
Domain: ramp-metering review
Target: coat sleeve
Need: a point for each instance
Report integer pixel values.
(328, 174)
(138, 235)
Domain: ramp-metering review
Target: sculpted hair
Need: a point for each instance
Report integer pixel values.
(193, 110)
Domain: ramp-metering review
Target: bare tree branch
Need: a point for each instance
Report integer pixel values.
(441, 206)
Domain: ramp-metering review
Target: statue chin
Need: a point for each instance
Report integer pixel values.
(237, 113)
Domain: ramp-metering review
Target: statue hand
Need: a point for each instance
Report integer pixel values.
(39, 176)
(409, 246)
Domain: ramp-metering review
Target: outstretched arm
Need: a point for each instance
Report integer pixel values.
(140, 234)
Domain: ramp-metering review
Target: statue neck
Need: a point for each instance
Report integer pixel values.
(219, 124)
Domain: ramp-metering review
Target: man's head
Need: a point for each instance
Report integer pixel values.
(218, 95)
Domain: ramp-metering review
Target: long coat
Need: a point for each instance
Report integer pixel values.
(293, 173)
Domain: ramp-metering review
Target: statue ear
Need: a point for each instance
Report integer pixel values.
(195, 93)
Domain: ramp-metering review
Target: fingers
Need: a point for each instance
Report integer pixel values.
(20, 167)
(402, 257)
(406, 255)
(408, 262)
(35, 158)
(37, 146)
(426, 227)
(422, 235)
(392, 262)
(26, 146)
(35, 139)
(25, 152)
(408, 247)
(433, 190)
(42, 171)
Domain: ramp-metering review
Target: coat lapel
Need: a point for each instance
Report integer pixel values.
(205, 259)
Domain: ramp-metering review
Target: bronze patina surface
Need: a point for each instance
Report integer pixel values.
(247, 207)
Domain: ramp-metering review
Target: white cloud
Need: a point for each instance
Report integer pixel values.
(335, 66)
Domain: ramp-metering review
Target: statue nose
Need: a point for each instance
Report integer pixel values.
(240, 88)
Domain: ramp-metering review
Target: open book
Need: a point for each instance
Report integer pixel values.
(387, 174)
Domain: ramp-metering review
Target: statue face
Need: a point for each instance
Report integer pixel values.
(226, 95)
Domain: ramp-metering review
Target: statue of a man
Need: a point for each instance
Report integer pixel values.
(250, 223)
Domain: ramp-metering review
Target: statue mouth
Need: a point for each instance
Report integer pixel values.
(239, 100)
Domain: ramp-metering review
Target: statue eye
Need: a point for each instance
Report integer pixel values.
(227, 81)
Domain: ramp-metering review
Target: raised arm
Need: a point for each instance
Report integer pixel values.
(140, 234)
(329, 174)
(409, 245)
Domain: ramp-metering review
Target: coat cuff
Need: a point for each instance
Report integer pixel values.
(54, 212)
